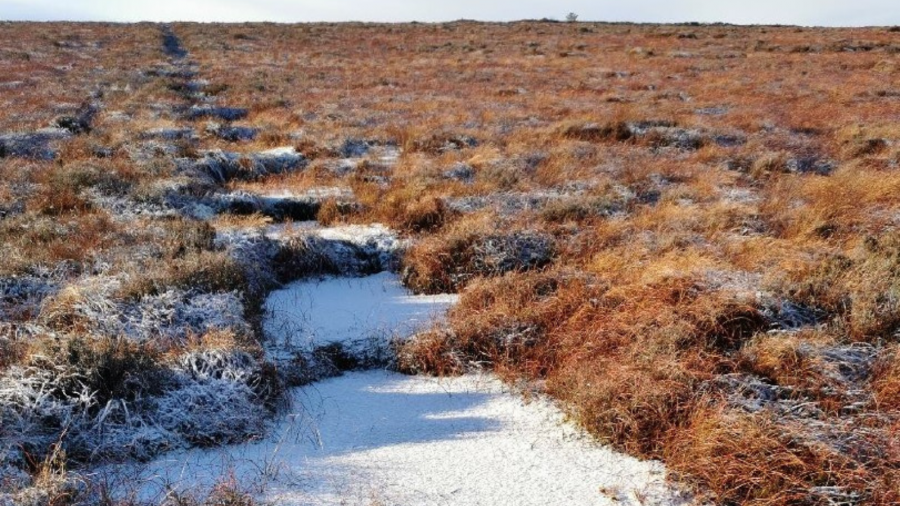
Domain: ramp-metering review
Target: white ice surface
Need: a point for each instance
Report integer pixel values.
(356, 234)
(378, 438)
(314, 193)
(310, 313)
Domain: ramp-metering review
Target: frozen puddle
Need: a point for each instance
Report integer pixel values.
(306, 314)
(378, 438)
(381, 438)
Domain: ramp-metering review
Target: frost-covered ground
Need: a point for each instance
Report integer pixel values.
(378, 437)
(317, 312)
(383, 438)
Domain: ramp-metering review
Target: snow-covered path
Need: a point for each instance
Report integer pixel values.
(314, 313)
(378, 438)
(381, 438)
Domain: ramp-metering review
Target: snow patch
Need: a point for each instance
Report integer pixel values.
(378, 437)
(349, 250)
(281, 205)
(223, 166)
(382, 438)
(309, 314)
(216, 112)
(35, 145)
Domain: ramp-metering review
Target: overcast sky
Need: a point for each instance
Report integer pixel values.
(800, 12)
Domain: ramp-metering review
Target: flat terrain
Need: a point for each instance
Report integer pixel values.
(684, 235)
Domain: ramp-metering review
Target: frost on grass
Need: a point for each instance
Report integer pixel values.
(505, 203)
(37, 145)
(293, 252)
(498, 254)
(218, 399)
(170, 134)
(223, 166)
(356, 249)
(374, 158)
(216, 112)
(203, 398)
(470, 255)
(461, 172)
(843, 369)
(21, 296)
(355, 148)
(232, 133)
(128, 209)
(654, 133)
(81, 121)
(162, 198)
(195, 192)
(103, 400)
(574, 200)
(278, 206)
(172, 315)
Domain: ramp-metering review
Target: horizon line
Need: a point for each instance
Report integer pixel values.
(451, 21)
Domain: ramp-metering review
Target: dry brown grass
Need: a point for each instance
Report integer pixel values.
(781, 187)
(750, 459)
(695, 179)
(886, 380)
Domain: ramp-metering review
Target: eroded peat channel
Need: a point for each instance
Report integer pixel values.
(372, 436)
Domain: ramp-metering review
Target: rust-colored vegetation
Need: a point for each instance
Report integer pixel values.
(686, 234)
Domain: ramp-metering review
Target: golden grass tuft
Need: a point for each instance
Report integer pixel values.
(751, 459)
(886, 380)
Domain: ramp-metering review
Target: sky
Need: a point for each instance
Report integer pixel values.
(794, 12)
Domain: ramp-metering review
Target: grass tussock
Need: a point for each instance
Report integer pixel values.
(446, 261)
(110, 368)
(752, 460)
(859, 288)
(886, 380)
(208, 271)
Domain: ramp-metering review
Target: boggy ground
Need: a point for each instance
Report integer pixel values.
(686, 234)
